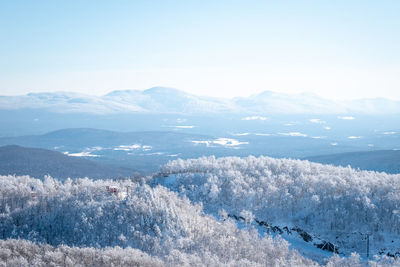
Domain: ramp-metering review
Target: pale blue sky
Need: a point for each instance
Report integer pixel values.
(340, 49)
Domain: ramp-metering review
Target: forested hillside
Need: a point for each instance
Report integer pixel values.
(340, 205)
(86, 213)
(379, 160)
(38, 162)
(224, 211)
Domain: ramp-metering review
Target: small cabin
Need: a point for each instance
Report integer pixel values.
(112, 189)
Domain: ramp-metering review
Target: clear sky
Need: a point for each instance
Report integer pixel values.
(338, 49)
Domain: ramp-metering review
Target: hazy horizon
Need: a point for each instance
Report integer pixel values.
(340, 50)
(98, 94)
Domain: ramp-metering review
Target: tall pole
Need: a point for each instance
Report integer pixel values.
(368, 246)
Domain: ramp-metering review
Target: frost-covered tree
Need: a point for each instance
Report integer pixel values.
(335, 203)
(158, 222)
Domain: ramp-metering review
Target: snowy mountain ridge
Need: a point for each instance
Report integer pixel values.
(169, 100)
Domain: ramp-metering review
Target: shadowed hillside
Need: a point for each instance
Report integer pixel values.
(40, 162)
(380, 160)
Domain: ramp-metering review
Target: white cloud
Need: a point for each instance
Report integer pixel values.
(128, 148)
(184, 126)
(149, 154)
(345, 117)
(294, 134)
(389, 133)
(251, 118)
(229, 142)
(132, 147)
(81, 154)
(240, 134)
(262, 134)
(179, 120)
(226, 142)
(317, 121)
(354, 137)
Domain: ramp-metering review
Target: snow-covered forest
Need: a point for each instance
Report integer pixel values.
(155, 220)
(123, 222)
(338, 204)
(26, 253)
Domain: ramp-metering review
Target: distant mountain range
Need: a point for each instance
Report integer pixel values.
(38, 162)
(379, 160)
(168, 100)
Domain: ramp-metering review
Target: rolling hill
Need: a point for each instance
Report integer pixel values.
(378, 160)
(147, 150)
(38, 162)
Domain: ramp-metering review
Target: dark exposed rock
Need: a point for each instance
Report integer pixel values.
(262, 223)
(276, 229)
(327, 246)
(306, 237)
(287, 230)
(237, 218)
